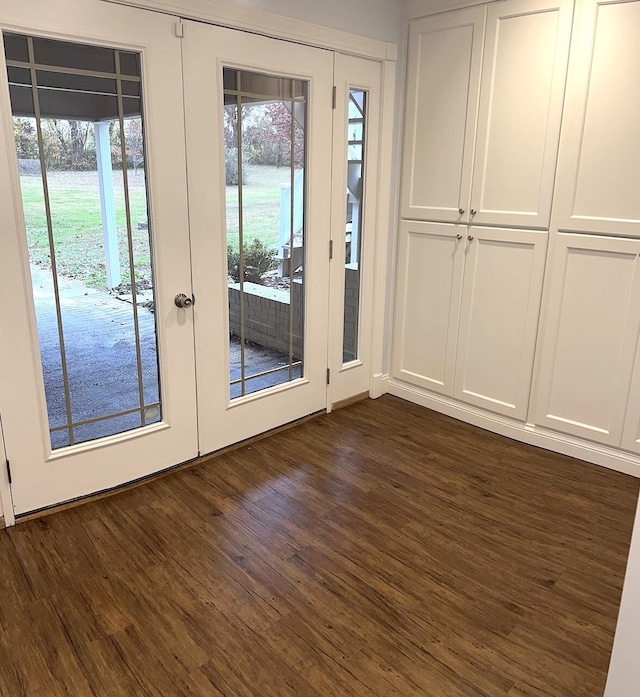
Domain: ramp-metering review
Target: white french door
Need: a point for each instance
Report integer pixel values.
(252, 78)
(93, 395)
(54, 411)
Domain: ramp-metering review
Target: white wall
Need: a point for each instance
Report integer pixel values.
(376, 19)
(624, 670)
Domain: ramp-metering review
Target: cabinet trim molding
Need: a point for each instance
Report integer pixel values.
(604, 456)
(413, 9)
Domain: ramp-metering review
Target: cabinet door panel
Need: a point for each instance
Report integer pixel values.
(499, 318)
(430, 259)
(598, 173)
(631, 432)
(591, 331)
(523, 78)
(442, 99)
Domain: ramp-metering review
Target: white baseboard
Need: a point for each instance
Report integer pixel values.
(378, 385)
(603, 455)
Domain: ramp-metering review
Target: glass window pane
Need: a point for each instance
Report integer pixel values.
(129, 63)
(356, 131)
(15, 47)
(265, 158)
(86, 215)
(66, 54)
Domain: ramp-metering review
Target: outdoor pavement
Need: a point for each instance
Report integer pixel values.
(100, 350)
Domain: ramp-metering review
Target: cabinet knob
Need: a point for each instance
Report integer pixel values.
(473, 211)
(461, 211)
(470, 237)
(458, 236)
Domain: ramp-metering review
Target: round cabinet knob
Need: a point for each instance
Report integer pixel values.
(470, 238)
(473, 211)
(182, 300)
(461, 211)
(458, 236)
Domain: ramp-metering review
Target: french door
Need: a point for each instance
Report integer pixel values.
(166, 346)
(278, 334)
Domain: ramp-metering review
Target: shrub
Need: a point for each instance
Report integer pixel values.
(231, 168)
(258, 259)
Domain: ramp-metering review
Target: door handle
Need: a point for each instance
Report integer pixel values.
(182, 300)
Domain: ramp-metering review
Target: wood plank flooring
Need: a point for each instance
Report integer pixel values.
(381, 550)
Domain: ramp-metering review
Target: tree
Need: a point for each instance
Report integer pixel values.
(280, 118)
(66, 144)
(24, 132)
(266, 134)
(134, 143)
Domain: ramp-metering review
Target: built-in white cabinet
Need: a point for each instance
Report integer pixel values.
(590, 337)
(494, 102)
(429, 288)
(467, 311)
(443, 85)
(502, 286)
(598, 187)
(631, 431)
(484, 99)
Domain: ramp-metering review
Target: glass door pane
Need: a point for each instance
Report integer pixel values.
(265, 153)
(77, 118)
(356, 148)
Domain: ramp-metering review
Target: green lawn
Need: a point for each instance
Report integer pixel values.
(77, 224)
(261, 205)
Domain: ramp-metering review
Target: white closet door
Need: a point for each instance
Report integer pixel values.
(430, 266)
(499, 318)
(445, 54)
(523, 79)
(590, 336)
(598, 173)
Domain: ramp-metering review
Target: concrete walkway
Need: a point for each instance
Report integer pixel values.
(99, 340)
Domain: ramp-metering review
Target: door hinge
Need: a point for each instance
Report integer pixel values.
(330, 250)
(328, 377)
(9, 473)
(335, 97)
(179, 29)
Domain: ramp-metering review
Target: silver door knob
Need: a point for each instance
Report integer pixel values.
(458, 236)
(470, 238)
(473, 211)
(461, 210)
(182, 300)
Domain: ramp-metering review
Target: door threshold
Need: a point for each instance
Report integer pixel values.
(105, 493)
(349, 401)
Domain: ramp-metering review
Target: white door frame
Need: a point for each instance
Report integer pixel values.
(223, 13)
(6, 501)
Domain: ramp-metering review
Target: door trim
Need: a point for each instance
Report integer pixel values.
(6, 500)
(275, 26)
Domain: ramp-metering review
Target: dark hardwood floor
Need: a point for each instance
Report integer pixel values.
(381, 550)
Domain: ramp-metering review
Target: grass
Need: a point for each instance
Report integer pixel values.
(261, 205)
(77, 222)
